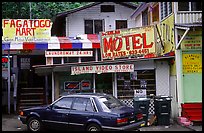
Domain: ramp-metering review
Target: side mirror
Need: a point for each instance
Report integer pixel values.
(49, 107)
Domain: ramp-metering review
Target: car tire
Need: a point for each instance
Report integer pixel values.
(93, 127)
(34, 124)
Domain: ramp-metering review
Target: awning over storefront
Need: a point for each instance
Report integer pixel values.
(48, 69)
(87, 41)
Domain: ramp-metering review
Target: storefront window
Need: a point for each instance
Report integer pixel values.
(57, 60)
(104, 83)
(128, 84)
(75, 83)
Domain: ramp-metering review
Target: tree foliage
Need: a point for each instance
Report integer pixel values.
(39, 10)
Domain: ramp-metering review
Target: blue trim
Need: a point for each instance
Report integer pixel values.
(41, 45)
(5, 45)
(76, 44)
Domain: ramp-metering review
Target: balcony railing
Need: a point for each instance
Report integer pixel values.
(188, 17)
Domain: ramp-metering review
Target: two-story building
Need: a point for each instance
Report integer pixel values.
(179, 27)
(149, 76)
(188, 40)
(77, 33)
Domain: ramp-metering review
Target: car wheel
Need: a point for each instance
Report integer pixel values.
(34, 124)
(93, 127)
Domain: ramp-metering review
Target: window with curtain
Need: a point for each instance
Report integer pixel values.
(93, 26)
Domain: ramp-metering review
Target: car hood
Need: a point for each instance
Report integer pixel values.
(37, 107)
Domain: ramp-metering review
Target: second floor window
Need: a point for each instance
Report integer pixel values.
(93, 26)
(166, 9)
(189, 6)
(107, 8)
(145, 18)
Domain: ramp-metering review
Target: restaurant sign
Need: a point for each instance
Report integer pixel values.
(102, 69)
(26, 30)
(138, 42)
(192, 41)
(68, 53)
(192, 63)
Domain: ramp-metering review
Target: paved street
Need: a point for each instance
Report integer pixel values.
(11, 123)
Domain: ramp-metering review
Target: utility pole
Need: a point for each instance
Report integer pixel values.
(30, 10)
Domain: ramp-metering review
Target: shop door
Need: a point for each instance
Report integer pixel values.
(192, 76)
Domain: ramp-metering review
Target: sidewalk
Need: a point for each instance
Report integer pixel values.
(11, 123)
(174, 126)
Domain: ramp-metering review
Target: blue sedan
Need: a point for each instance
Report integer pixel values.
(84, 111)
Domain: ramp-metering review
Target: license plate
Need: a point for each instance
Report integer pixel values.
(142, 124)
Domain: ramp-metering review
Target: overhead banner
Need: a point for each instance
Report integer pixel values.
(102, 69)
(68, 53)
(128, 42)
(26, 30)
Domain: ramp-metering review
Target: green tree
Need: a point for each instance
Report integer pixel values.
(40, 10)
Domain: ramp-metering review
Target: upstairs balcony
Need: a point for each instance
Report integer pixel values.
(188, 17)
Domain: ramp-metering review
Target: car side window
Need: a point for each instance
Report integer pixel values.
(80, 104)
(89, 106)
(64, 103)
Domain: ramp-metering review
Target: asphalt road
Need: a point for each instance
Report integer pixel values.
(11, 123)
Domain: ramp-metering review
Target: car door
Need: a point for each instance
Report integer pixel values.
(57, 115)
(80, 113)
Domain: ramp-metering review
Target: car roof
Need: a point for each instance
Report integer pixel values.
(87, 95)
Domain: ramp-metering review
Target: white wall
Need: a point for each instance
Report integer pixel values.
(138, 21)
(75, 21)
(144, 65)
(162, 78)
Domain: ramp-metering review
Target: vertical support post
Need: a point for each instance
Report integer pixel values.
(114, 85)
(53, 87)
(9, 81)
(94, 75)
(94, 83)
(46, 89)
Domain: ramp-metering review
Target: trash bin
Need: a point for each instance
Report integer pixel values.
(143, 104)
(162, 106)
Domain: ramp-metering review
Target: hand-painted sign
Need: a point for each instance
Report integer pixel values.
(140, 93)
(71, 85)
(192, 41)
(192, 63)
(68, 53)
(26, 30)
(25, 63)
(127, 42)
(166, 32)
(102, 69)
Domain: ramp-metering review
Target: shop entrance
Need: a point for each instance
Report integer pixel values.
(104, 83)
(138, 83)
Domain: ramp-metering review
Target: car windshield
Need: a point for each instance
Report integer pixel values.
(109, 102)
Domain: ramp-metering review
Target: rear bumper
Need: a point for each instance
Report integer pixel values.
(132, 126)
(22, 119)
